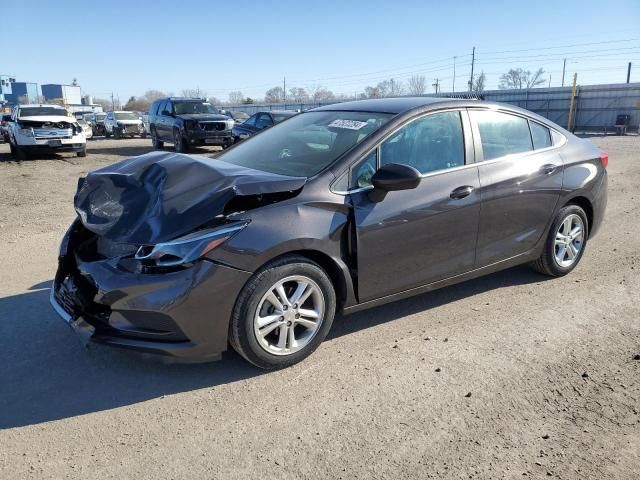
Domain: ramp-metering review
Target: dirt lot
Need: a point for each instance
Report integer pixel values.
(509, 376)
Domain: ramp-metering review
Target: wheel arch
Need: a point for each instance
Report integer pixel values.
(586, 205)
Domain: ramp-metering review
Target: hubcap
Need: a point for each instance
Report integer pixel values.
(569, 240)
(289, 315)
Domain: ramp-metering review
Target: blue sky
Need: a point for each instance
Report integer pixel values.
(131, 46)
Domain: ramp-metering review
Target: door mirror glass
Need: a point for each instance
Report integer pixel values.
(393, 177)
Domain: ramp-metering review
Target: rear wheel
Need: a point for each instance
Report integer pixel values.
(565, 243)
(283, 313)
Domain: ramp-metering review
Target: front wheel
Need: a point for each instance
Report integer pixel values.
(155, 141)
(82, 153)
(179, 143)
(283, 313)
(565, 243)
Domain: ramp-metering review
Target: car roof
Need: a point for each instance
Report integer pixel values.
(393, 105)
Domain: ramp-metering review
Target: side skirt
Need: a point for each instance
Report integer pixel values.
(479, 272)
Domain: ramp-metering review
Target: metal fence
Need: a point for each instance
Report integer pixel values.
(596, 106)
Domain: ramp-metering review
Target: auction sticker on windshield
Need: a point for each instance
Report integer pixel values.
(348, 124)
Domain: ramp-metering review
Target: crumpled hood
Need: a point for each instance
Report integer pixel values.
(48, 118)
(159, 196)
(204, 117)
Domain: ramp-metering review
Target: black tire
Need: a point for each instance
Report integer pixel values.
(155, 141)
(241, 332)
(547, 263)
(116, 133)
(17, 152)
(82, 153)
(179, 143)
(107, 134)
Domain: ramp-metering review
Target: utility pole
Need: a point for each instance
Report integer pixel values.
(564, 65)
(628, 72)
(454, 74)
(572, 103)
(473, 61)
(549, 80)
(436, 84)
(284, 89)
(113, 106)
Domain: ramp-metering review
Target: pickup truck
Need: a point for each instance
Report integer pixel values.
(44, 129)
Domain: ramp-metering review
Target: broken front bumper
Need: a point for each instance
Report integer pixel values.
(183, 313)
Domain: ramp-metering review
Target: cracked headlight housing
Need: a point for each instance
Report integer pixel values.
(187, 249)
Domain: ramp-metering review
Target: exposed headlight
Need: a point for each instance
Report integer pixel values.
(230, 124)
(186, 249)
(26, 132)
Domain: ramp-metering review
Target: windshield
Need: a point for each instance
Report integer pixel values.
(100, 116)
(186, 108)
(306, 143)
(126, 116)
(40, 111)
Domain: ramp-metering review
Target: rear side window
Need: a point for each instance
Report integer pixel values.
(541, 136)
(501, 133)
(264, 120)
(251, 121)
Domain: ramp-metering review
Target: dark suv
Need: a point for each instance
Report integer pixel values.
(187, 122)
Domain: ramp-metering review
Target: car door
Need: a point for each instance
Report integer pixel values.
(166, 121)
(415, 237)
(520, 183)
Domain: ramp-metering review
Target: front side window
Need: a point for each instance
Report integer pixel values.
(305, 144)
(431, 143)
(541, 136)
(501, 133)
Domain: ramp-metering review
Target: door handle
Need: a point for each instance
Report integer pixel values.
(548, 168)
(461, 192)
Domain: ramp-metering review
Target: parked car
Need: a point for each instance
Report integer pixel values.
(338, 209)
(86, 128)
(145, 123)
(4, 127)
(123, 124)
(188, 122)
(96, 120)
(259, 121)
(44, 129)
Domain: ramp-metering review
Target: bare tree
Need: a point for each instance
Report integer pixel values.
(137, 104)
(519, 78)
(386, 88)
(104, 103)
(274, 95)
(236, 97)
(417, 85)
(194, 92)
(297, 94)
(479, 83)
(151, 95)
(323, 94)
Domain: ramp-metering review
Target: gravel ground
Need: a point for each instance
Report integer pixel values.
(509, 376)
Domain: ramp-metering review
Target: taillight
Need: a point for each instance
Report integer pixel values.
(604, 159)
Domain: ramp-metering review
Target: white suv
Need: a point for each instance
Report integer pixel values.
(123, 124)
(44, 129)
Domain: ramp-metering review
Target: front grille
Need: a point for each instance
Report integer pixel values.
(131, 128)
(52, 133)
(213, 126)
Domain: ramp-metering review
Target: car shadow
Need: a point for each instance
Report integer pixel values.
(47, 373)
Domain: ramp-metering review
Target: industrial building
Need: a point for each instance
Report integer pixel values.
(68, 94)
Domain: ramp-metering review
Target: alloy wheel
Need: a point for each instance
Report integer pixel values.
(289, 315)
(569, 240)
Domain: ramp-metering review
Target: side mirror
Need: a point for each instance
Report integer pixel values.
(393, 177)
(166, 113)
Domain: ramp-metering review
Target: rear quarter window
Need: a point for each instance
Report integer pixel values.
(541, 136)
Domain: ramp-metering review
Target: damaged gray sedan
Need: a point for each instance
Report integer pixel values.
(334, 210)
